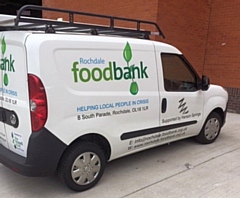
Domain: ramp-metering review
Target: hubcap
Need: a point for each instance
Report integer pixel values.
(85, 168)
(212, 128)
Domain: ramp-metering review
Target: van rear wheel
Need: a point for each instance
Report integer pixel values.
(210, 130)
(82, 166)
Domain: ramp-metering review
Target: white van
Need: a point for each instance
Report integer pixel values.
(76, 95)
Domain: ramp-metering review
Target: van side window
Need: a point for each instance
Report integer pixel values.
(177, 74)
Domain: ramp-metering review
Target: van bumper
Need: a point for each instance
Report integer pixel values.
(44, 153)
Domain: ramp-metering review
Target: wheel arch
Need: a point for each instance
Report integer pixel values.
(219, 111)
(216, 104)
(97, 139)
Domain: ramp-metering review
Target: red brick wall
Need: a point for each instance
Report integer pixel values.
(222, 58)
(137, 9)
(185, 24)
(223, 46)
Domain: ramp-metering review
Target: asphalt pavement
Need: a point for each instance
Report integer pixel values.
(183, 169)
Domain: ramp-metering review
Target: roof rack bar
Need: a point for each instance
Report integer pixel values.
(111, 23)
(71, 17)
(21, 18)
(138, 26)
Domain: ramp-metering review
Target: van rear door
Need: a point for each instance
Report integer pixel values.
(3, 137)
(15, 125)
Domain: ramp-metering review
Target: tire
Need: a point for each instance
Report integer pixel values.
(82, 166)
(210, 130)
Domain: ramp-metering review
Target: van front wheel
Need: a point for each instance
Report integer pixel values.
(82, 166)
(211, 129)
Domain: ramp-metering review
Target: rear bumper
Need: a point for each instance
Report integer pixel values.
(44, 153)
(15, 162)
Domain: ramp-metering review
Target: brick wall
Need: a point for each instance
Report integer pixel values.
(206, 31)
(234, 100)
(185, 24)
(223, 46)
(137, 9)
(222, 58)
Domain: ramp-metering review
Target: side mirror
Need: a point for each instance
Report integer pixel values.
(205, 83)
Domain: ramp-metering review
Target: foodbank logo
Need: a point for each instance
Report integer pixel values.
(112, 72)
(6, 63)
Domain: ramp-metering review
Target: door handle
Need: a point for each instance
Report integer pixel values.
(164, 105)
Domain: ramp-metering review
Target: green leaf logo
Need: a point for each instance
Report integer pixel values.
(134, 88)
(3, 45)
(127, 53)
(5, 79)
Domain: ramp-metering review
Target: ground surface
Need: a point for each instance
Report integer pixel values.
(180, 170)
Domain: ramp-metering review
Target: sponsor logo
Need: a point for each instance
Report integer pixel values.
(183, 108)
(17, 141)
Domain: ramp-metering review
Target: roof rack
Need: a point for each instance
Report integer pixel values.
(52, 26)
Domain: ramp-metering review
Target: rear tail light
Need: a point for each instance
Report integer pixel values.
(38, 102)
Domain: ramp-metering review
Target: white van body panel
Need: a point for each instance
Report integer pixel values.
(56, 55)
(214, 98)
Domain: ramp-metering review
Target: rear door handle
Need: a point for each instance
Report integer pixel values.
(164, 105)
(2, 115)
